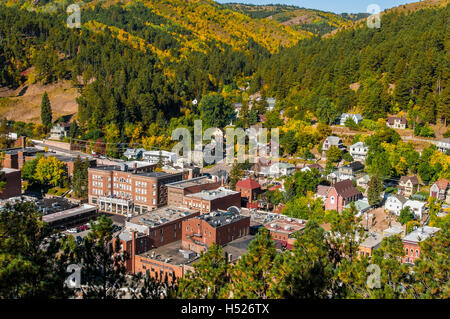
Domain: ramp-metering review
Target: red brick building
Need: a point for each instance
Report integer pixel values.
(176, 191)
(210, 200)
(13, 186)
(217, 227)
(154, 229)
(412, 240)
(127, 191)
(249, 189)
(284, 230)
(341, 194)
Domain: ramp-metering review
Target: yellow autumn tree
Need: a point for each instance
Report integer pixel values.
(50, 171)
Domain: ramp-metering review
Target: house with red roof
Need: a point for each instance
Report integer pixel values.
(249, 189)
(441, 190)
(341, 194)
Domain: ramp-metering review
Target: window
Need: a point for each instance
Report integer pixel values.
(406, 251)
(417, 253)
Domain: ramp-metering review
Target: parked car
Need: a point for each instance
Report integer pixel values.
(83, 227)
(72, 230)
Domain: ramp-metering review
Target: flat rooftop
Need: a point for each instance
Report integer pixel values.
(221, 218)
(29, 150)
(54, 205)
(263, 218)
(161, 216)
(238, 247)
(171, 253)
(202, 180)
(421, 234)
(9, 170)
(213, 194)
(372, 240)
(287, 226)
(83, 209)
(130, 170)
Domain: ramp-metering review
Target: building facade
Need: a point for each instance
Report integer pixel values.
(341, 194)
(217, 227)
(408, 185)
(441, 190)
(396, 122)
(118, 190)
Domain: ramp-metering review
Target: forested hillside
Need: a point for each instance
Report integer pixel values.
(139, 64)
(135, 62)
(403, 66)
(315, 21)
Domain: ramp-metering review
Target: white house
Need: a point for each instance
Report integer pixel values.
(134, 153)
(357, 118)
(416, 206)
(271, 103)
(332, 141)
(154, 156)
(395, 203)
(359, 151)
(444, 145)
(281, 169)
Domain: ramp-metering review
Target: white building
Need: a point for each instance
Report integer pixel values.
(357, 118)
(154, 156)
(444, 145)
(279, 169)
(359, 151)
(332, 141)
(395, 203)
(134, 153)
(416, 206)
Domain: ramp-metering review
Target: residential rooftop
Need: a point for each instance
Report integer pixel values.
(373, 240)
(421, 234)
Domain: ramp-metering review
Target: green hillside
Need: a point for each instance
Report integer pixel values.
(315, 21)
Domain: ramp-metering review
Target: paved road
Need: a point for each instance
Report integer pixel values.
(42, 145)
(335, 130)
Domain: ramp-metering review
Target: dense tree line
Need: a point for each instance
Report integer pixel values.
(401, 66)
(323, 265)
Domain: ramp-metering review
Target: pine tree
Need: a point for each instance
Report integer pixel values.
(252, 276)
(46, 111)
(374, 191)
(210, 276)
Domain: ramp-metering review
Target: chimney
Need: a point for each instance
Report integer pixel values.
(133, 251)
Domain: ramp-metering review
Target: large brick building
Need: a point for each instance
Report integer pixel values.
(217, 227)
(128, 191)
(12, 179)
(341, 194)
(210, 200)
(176, 191)
(154, 229)
(16, 157)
